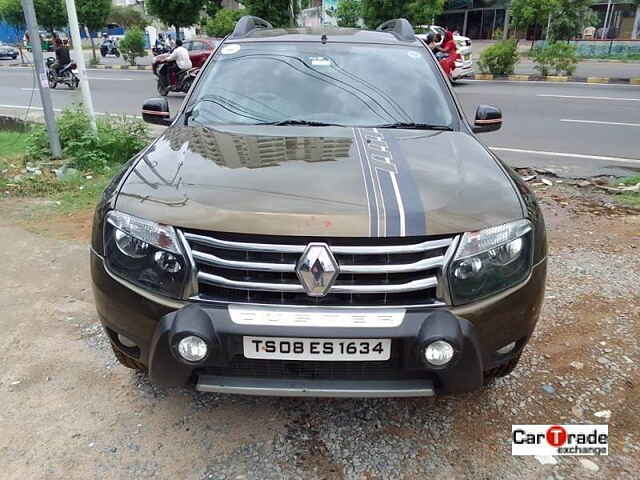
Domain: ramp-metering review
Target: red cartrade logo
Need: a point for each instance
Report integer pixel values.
(556, 436)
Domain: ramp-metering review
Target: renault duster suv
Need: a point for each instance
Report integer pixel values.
(319, 219)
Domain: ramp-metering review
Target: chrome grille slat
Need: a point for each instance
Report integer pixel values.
(338, 249)
(414, 285)
(243, 265)
(423, 264)
(262, 271)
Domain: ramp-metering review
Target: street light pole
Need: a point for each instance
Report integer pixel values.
(42, 80)
(82, 70)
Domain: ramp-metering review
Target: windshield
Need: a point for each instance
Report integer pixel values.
(304, 83)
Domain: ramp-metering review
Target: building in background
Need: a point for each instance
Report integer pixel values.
(487, 19)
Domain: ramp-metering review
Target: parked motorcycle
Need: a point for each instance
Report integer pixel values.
(67, 75)
(177, 82)
(109, 47)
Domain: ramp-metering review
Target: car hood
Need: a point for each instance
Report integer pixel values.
(317, 181)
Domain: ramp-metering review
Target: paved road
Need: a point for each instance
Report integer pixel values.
(588, 68)
(546, 124)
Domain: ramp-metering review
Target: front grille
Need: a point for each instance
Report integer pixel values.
(240, 268)
(391, 369)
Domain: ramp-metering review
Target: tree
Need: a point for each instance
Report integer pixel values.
(348, 13)
(51, 14)
(422, 12)
(127, 17)
(531, 13)
(11, 13)
(132, 45)
(177, 13)
(223, 23)
(418, 12)
(569, 18)
(277, 12)
(93, 14)
(211, 7)
(375, 12)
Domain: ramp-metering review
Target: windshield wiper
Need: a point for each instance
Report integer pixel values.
(415, 126)
(305, 123)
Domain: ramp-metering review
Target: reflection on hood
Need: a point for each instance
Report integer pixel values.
(240, 151)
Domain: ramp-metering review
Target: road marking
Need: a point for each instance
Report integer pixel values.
(105, 114)
(29, 89)
(599, 122)
(586, 97)
(111, 78)
(568, 155)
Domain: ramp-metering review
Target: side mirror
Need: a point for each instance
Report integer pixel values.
(156, 111)
(488, 119)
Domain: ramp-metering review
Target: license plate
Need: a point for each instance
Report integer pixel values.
(324, 349)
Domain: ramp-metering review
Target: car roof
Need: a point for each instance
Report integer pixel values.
(333, 35)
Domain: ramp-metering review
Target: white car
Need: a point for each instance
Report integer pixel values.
(464, 65)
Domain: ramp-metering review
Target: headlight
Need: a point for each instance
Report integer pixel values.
(490, 261)
(145, 253)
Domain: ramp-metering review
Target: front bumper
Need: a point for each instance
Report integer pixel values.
(462, 70)
(476, 331)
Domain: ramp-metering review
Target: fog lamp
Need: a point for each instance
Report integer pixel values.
(439, 353)
(193, 349)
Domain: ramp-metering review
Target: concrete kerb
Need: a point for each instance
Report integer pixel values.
(557, 79)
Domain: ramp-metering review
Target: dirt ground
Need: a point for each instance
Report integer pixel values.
(68, 410)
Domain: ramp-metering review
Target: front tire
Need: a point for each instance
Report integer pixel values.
(52, 80)
(163, 90)
(501, 370)
(126, 361)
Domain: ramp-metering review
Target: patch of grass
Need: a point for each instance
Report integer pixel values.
(631, 199)
(80, 194)
(12, 144)
(629, 57)
(65, 196)
(630, 180)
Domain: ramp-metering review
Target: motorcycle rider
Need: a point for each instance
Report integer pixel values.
(62, 57)
(178, 61)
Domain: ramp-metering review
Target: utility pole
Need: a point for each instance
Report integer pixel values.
(605, 28)
(42, 80)
(82, 69)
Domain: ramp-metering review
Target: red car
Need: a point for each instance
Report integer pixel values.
(199, 50)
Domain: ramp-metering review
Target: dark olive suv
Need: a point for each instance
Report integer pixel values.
(319, 219)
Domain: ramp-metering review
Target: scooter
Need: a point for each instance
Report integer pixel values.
(67, 75)
(178, 82)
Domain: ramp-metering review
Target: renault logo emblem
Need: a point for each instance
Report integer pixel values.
(317, 269)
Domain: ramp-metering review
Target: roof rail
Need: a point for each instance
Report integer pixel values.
(248, 24)
(400, 27)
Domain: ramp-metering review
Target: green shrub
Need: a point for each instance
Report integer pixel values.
(118, 139)
(559, 57)
(223, 23)
(132, 45)
(500, 58)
